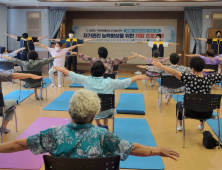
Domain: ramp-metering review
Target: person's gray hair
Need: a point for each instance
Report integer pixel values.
(83, 106)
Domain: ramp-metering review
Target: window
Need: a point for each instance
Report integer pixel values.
(34, 24)
(216, 21)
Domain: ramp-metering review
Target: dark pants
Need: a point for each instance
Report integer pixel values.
(191, 113)
(72, 61)
(23, 56)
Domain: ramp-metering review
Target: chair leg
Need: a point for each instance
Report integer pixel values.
(177, 119)
(203, 125)
(19, 92)
(2, 129)
(218, 131)
(145, 84)
(177, 97)
(16, 124)
(63, 79)
(183, 132)
(41, 96)
(46, 92)
(161, 102)
(113, 120)
(29, 93)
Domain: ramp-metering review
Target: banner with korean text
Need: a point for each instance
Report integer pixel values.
(124, 34)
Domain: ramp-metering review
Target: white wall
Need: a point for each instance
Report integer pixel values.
(17, 26)
(3, 27)
(206, 25)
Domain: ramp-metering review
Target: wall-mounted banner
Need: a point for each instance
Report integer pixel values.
(124, 34)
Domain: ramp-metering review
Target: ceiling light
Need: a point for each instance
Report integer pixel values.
(127, 4)
(14, 0)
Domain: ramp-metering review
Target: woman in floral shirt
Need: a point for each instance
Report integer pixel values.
(108, 62)
(154, 73)
(81, 139)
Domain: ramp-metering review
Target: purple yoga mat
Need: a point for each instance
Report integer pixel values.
(25, 159)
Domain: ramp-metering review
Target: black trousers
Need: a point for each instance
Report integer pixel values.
(191, 113)
(23, 56)
(72, 61)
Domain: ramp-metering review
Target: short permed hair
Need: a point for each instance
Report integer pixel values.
(98, 69)
(210, 53)
(32, 55)
(174, 58)
(197, 64)
(155, 54)
(83, 106)
(59, 43)
(102, 52)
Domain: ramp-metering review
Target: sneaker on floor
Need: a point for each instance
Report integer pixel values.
(180, 128)
(7, 130)
(59, 85)
(101, 125)
(37, 97)
(106, 127)
(151, 84)
(81, 72)
(52, 85)
(200, 127)
(40, 97)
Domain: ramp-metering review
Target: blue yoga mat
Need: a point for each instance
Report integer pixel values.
(214, 126)
(159, 81)
(132, 86)
(180, 97)
(137, 131)
(75, 85)
(15, 95)
(61, 103)
(131, 103)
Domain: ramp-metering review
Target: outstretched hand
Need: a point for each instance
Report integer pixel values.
(79, 45)
(36, 43)
(220, 59)
(177, 43)
(35, 77)
(135, 53)
(6, 34)
(141, 77)
(141, 66)
(167, 152)
(208, 70)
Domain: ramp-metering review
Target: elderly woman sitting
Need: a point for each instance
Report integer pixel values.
(100, 85)
(80, 139)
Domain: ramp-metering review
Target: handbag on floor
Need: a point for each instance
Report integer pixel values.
(209, 141)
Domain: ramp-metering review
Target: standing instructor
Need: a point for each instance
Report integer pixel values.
(71, 41)
(27, 42)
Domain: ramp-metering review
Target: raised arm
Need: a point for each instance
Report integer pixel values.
(85, 58)
(192, 55)
(25, 76)
(12, 36)
(40, 38)
(54, 40)
(140, 66)
(17, 51)
(41, 45)
(173, 43)
(14, 146)
(145, 151)
(5, 57)
(143, 42)
(201, 39)
(139, 77)
(85, 40)
(141, 56)
(171, 71)
(134, 56)
(75, 46)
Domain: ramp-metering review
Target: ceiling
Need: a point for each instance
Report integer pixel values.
(109, 6)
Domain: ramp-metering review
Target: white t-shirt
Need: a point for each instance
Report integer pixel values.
(59, 61)
(150, 44)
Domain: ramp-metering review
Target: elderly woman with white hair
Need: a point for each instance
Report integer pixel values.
(80, 138)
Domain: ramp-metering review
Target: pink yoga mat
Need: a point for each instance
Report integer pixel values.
(25, 159)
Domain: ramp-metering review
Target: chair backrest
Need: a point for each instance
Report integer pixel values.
(112, 76)
(202, 102)
(213, 67)
(104, 163)
(31, 80)
(115, 67)
(107, 101)
(171, 82)
(6, 65)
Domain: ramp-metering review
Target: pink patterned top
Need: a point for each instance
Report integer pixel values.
(154, 69)
(108, 62)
